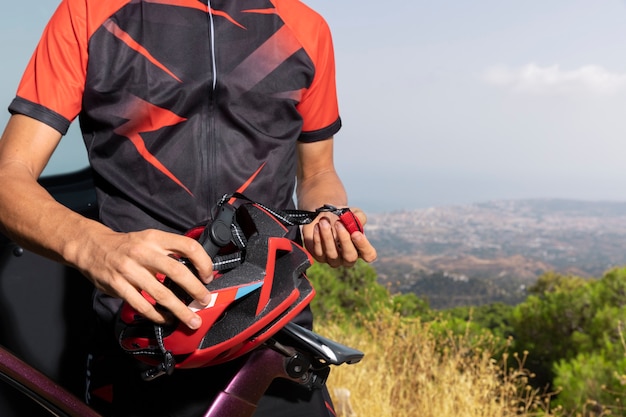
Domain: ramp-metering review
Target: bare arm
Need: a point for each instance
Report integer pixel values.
(120, 264)
(318, 184)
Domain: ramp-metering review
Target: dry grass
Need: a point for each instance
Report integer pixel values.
(415, 369)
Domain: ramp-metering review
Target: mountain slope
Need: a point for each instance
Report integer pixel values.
(503, 245)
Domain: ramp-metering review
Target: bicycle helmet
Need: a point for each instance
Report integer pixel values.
(259, 285)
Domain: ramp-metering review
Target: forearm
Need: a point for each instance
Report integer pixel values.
(120, 264)
(323, 188)
(28, 213)
(31, 217)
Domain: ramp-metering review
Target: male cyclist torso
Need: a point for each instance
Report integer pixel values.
(179, 106)
(181, 102)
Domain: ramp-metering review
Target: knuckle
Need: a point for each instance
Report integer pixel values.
(124, 265)
(195, 288)
(160, 293)
(178, 268)
(319, 258)
(334, 263)
(150, 234)
(193, 247)
(351, 257)
(144, 309)
(371, 257)
(134, 251)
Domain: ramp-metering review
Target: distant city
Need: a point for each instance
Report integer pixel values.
(495, 249)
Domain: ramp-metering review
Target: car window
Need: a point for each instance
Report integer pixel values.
(70, 155)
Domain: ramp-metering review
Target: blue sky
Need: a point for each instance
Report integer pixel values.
(452, 102)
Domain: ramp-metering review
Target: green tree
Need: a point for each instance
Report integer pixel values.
(591, 383)
(572, 329)
(342, 292)
(546, 323)
(551, 282)
(410, 305)
(495, 317)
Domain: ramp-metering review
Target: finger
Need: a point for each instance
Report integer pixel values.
(317, 250)
(165, 298)
(365, 249)
(329, 243)
(142, 306)
(346, 248)
(360, 215)
(182, 275)
(201, 261)
(192, 250)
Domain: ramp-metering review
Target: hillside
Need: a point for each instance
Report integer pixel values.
(479, 253)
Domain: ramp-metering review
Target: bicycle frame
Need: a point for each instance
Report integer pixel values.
(308, 364)
(240, 397)
(51, 396)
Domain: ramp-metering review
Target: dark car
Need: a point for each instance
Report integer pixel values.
(45, 306)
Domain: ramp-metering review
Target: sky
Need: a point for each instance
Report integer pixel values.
(448, 102)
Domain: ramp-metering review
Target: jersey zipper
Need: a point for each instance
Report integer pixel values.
(211, 137)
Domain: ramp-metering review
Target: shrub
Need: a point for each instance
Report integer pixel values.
(412, 368)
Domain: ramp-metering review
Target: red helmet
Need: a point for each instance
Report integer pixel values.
(259, 285)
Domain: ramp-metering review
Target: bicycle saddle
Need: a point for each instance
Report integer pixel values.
(321, 348)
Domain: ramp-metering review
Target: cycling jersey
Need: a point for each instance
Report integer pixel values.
(181, 102)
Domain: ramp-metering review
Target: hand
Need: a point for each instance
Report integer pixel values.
(124, 264)
(328, 241)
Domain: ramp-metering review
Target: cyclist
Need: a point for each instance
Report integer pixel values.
(180, 102)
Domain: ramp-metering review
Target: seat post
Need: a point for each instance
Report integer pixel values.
(244, 391)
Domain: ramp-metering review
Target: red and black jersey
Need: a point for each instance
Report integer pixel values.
(181, 102)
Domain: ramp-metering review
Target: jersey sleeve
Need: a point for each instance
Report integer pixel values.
(52, 85)
(319, 106)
